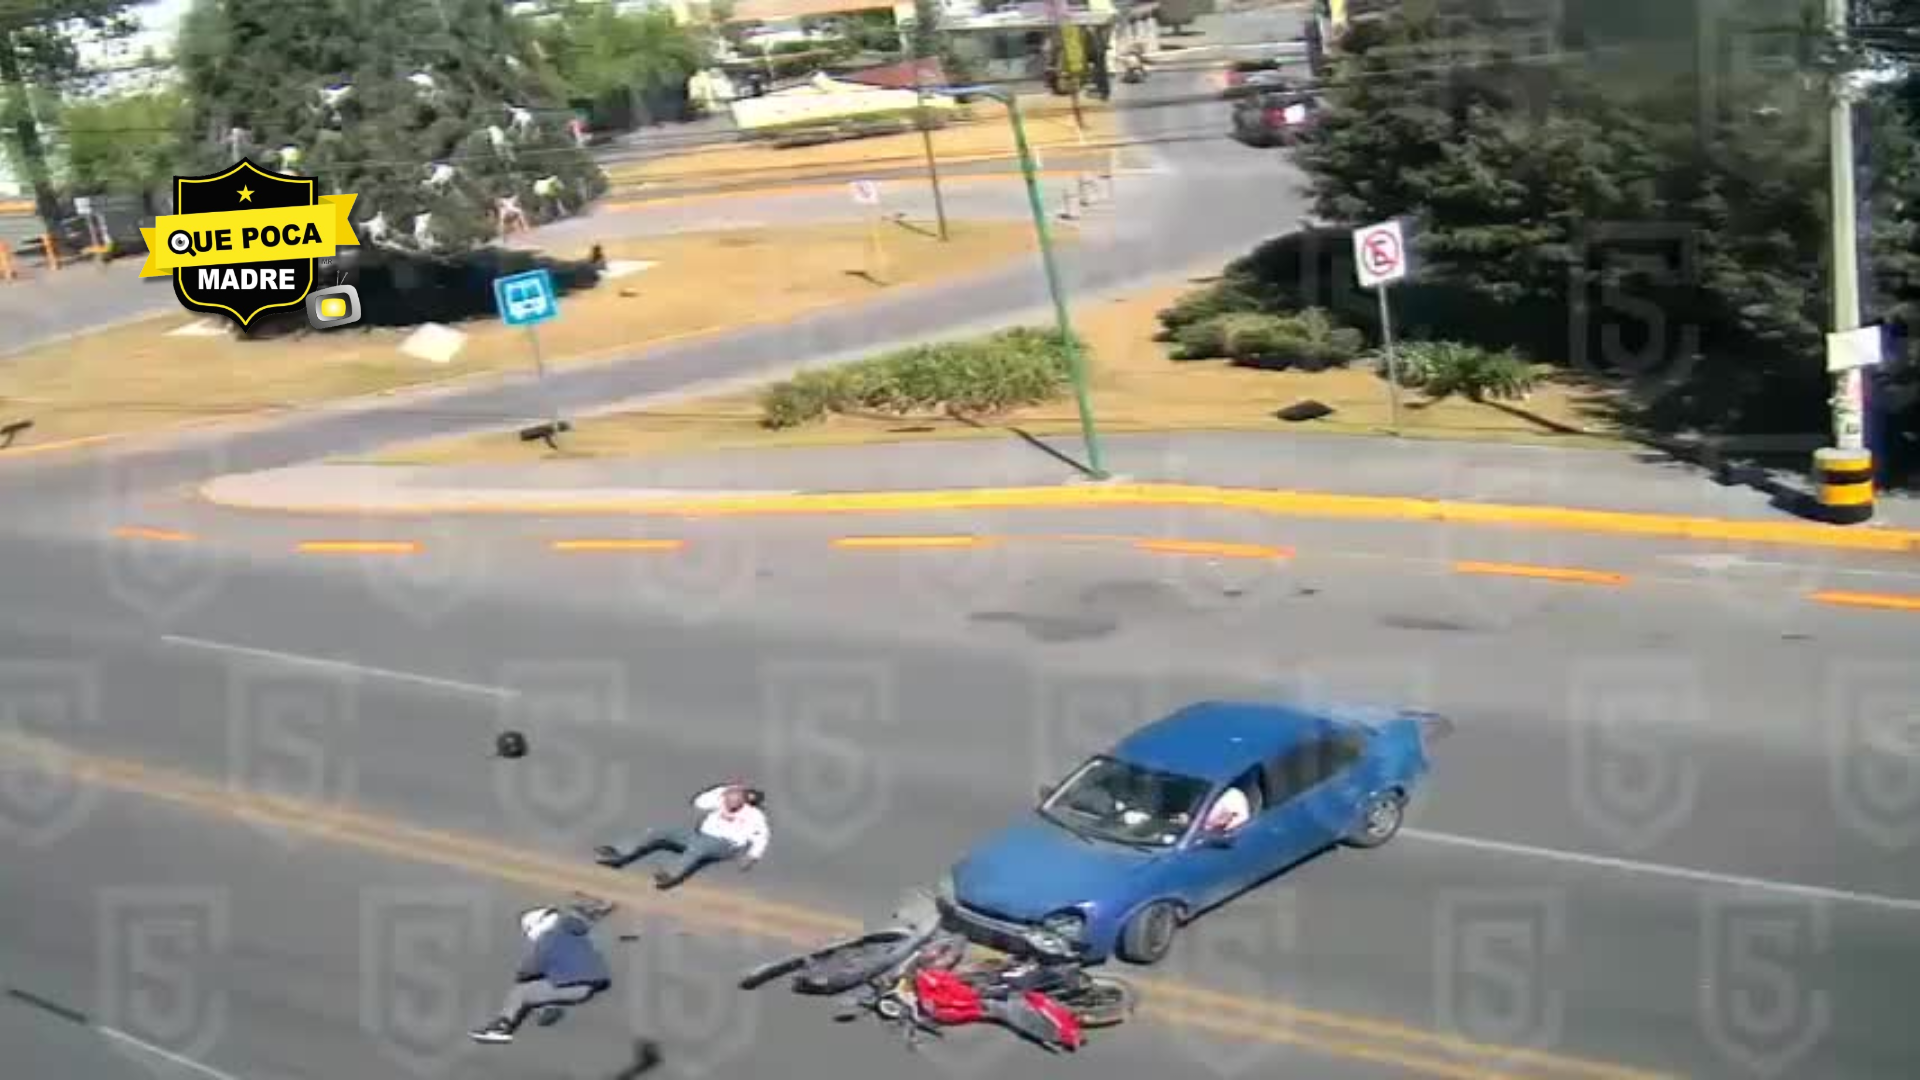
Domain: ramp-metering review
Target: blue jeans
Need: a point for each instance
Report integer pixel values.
(694, 849)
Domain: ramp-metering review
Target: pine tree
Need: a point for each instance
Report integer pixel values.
(432, 113)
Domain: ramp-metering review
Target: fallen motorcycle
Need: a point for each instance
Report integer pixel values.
(851, 963)
(1048, 1001)
(914, 973)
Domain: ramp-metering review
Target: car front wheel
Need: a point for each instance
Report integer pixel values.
(1148, 936)
(1380, 820)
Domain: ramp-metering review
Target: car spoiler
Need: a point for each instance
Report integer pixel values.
(1433, 726)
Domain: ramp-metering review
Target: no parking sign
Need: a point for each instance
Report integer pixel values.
(1379, 260)
(1379, 254)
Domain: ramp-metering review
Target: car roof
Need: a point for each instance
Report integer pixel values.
(1219, 740)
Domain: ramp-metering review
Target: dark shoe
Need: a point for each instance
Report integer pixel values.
(497, 1032)
(607, 855)
(664, 880)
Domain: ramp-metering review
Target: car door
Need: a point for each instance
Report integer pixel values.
(1313, 794)
(1220, 871)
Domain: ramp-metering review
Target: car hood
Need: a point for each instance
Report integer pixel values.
(1033, 869)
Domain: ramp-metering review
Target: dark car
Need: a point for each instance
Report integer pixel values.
(1252, 76)
(1275, 119)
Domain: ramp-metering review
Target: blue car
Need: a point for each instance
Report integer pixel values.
(1116, 857)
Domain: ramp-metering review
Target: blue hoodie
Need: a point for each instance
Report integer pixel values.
(565, 956)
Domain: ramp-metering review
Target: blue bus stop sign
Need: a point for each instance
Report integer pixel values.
(526, 299)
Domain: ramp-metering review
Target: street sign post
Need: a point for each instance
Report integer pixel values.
(1380, 260)
(867, 193)
(529, 299)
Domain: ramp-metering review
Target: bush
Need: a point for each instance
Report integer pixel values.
(979, 377)
(1310, 340)
(1442, 369)
(1203, 304)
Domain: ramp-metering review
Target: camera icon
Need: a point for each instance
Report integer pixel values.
(334, 307)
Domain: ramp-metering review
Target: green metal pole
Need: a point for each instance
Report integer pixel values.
(1075, 363)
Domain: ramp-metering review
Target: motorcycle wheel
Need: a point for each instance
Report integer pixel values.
(844, 969)
(1104, 1002)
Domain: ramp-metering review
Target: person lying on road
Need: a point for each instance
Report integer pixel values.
(563, 968)
(735, 828)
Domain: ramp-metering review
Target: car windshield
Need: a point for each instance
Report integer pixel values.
(1108, 799)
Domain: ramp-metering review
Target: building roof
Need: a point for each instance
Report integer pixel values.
(900, 76)
(784, 10)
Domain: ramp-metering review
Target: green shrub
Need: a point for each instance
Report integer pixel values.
(1202, 305)
(1310, 340)
(1442, 369)
(977, 377)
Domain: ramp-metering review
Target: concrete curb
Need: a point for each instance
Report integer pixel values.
(259, 492)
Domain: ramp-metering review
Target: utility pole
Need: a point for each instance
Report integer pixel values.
(926, 143)
(1845, 469)
(1844, 263)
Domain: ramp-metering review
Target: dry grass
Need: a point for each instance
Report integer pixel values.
(982, 135)
(1135, 388)
(136, 377)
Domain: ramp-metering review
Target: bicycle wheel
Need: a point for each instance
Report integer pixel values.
(1104, 1002)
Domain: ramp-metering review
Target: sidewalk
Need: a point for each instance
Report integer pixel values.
(1332, 476)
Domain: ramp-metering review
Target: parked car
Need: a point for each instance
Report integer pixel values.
(1275, 119)
(1120, 854)
(1252, 76)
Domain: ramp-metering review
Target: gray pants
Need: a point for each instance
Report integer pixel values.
(694, 848)
(528, 996)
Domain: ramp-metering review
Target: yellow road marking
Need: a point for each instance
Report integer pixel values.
(1545, 573)
(1210, 547)
(619, 545)
(1891, 601)
(737, 912)
(359, 547)
(142, 532)
(912, 541)
(1288, 503)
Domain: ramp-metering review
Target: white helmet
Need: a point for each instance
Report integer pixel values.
(537, 921)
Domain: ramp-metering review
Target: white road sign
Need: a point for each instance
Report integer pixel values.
(1379, 254)
(1852, 349)
(865, 192)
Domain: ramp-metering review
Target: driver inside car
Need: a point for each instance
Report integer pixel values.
(1230, 811)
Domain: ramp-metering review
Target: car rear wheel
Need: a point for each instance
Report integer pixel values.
(1149, 935)
(1380, 820)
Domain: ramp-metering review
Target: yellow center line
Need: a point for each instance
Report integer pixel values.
(737, 912)
(619, 545)
(913, 541)
(142, 532)
(1890, 601)
(1210, 547)
(359, 547)
(1545, 573)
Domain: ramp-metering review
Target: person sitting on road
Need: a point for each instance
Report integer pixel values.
(734, 828)
(563, 968)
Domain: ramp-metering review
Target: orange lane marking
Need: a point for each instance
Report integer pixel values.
(1892, 601)
(619, 545)
(359, 547)
(1210, 547)
(912, 541)
(142, 532)
(1546, 573)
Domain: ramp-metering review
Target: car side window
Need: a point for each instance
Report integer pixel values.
(1309, 765)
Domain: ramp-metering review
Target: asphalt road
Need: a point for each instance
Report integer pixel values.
(1684, 729)
(1662, 842)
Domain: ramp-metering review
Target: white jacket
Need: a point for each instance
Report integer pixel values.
(746, 825)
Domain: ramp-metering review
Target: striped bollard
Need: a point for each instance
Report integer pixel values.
(1845, 479)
